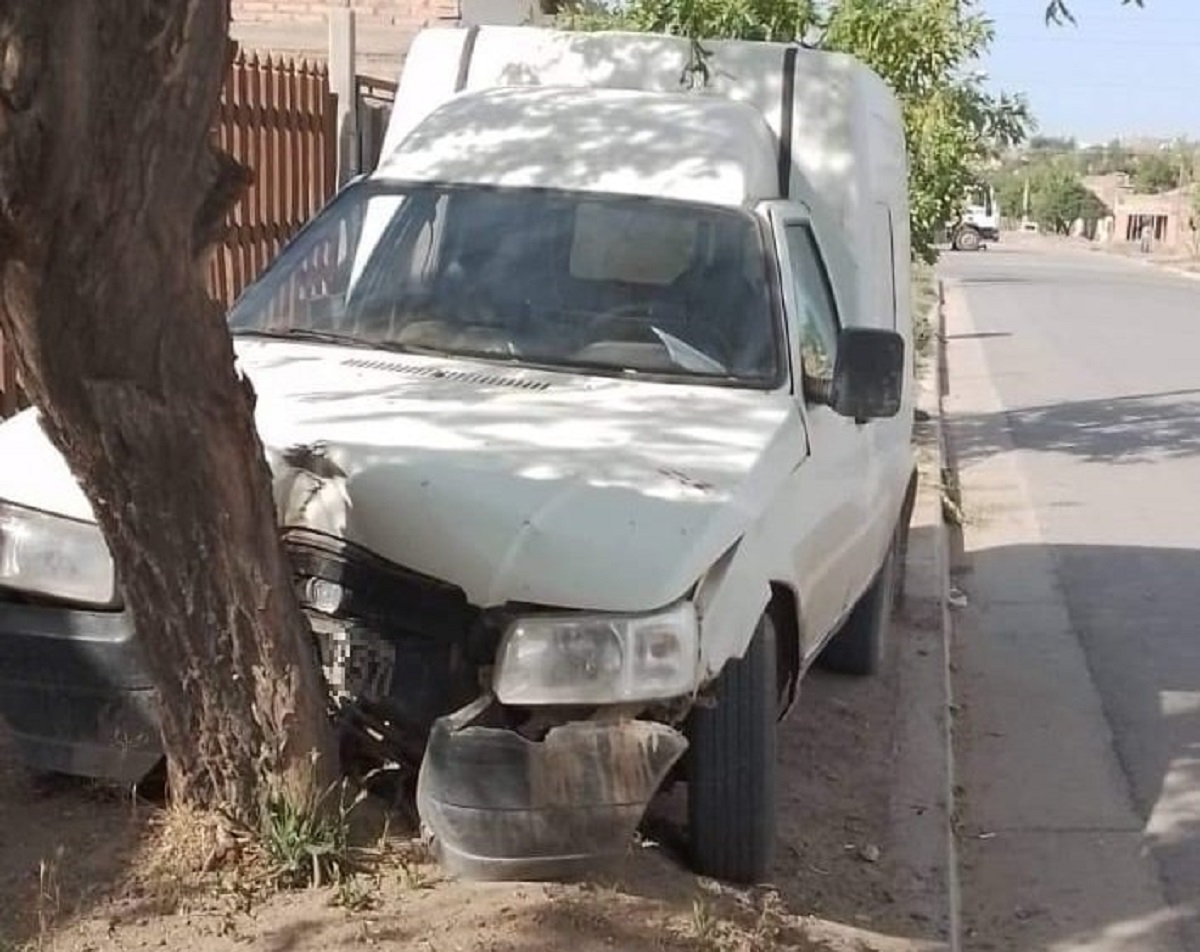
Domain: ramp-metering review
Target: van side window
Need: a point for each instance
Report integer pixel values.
(817, 316)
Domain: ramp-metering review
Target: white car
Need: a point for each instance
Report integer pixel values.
(589, 413)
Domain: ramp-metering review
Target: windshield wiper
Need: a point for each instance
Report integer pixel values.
(306, 334)
(424, 350)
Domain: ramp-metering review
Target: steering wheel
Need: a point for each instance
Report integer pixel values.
(440, 335)
(485, 339)
(629, 322)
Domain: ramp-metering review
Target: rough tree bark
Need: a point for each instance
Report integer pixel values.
(110, 198)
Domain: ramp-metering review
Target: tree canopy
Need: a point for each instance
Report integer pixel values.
(953, 126)
(1158, 172)
(1060, 11)
(1057, 196)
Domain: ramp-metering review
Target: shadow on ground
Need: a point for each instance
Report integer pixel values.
(1128, 429)
(64, 842)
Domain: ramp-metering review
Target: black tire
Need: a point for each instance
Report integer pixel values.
(967, 239)
(732, 767)
(860, 646)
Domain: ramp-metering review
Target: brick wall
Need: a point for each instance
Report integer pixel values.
(384, 28)
(377, 13)
(298, 28)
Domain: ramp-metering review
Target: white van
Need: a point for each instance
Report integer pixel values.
(589, 412)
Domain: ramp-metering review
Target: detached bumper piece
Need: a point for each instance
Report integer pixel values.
(502, 807)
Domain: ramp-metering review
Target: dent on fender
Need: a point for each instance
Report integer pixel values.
(310, 489)
(729, 601)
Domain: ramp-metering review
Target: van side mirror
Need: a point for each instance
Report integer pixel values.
(868, 377)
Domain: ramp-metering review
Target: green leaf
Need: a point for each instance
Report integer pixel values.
(1058, 12)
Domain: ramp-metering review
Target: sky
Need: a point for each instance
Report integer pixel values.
(1121, 71)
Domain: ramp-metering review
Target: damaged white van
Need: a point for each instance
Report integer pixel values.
(589, 413)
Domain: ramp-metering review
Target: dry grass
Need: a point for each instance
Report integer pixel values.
(49, 897)
(736, 921)
(183, 839)
(194, 857)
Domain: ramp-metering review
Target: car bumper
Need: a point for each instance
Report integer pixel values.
(75, 694)
(502, 807)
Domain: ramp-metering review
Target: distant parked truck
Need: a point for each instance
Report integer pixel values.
(980, 221)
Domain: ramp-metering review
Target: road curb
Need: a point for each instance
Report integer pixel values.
(950, 486)
(1173, 270)
(1166, 267)
(924, 807)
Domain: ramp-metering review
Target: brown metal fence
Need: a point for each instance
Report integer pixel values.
(277, 117)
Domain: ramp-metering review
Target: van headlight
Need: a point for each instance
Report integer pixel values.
(598, 659)
(54, 557)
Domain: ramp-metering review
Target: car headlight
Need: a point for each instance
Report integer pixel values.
(55, 557)
(598, 659)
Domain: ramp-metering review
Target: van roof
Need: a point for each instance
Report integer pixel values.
(684, 147)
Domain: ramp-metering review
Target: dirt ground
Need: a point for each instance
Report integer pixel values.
(70, 852)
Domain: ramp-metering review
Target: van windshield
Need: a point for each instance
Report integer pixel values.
(544, 278)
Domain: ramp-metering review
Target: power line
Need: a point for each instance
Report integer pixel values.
(1139, 85)
(1008, 38)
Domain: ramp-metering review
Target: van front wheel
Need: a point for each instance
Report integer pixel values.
(732, 768)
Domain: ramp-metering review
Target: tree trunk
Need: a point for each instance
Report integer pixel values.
(110, 199)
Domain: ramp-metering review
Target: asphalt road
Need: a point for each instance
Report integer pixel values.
(1095, 366)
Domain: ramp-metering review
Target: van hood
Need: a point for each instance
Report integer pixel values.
(609, 494)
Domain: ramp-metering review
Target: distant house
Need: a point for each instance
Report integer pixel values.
(1168, 215)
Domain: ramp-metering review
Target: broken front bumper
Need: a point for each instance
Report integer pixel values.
(75, 694)
(500, 806)
(78, 700)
